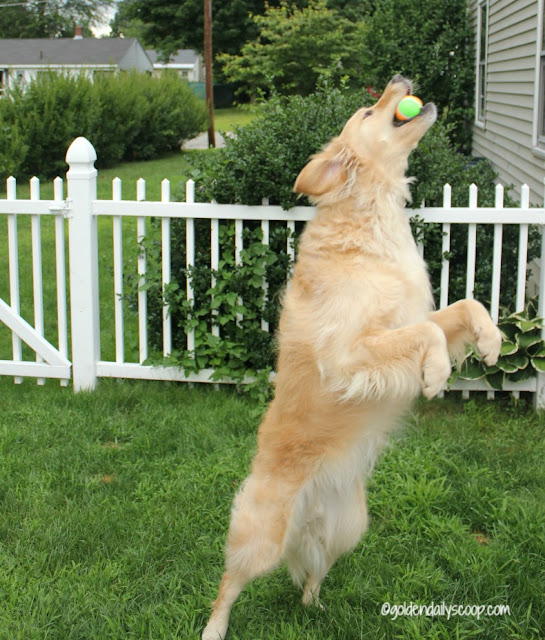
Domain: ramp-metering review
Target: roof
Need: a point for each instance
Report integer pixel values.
(182, 56)
(64, 51)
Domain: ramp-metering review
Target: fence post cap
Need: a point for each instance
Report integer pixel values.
(81, 151)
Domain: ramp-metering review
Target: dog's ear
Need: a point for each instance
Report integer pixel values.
(323, 173)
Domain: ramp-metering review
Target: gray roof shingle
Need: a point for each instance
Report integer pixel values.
(182, 56)
(63, 51)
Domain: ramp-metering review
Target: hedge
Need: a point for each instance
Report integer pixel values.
(126, 116)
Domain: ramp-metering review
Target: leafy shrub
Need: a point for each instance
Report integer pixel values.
(50, 112)
(522, 351)
(126, 116)
(432, 43)
(13, 147)
(243, 348)
(168, 114)
(122, 111)
(265, 156)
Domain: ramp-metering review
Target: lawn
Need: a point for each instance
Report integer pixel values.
(226, 119)
(115, 506)
(175, 166)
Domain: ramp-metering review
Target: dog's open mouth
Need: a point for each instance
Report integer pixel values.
(400, 123)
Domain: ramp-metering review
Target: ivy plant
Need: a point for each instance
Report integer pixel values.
(228, 305)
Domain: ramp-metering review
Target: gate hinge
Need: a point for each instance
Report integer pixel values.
(64, 206)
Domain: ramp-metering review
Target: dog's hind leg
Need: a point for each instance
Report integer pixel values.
(230, 588)
(333, 526)
(311, 590)
(254, 547)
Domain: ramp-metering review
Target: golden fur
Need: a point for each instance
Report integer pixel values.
(358, 341)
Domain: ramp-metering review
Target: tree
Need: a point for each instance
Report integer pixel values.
(168, 26)
(49, 18)
(17, 22)
(432, 43)
(295, 46)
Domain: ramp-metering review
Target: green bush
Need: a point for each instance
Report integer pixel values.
(13, 147)
(242, 349)
(265, 156)
(170, 114)
(122, 111)
(432, 43)
(126, 116)
(50, 112)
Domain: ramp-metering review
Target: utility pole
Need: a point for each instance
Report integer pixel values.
(208, 70)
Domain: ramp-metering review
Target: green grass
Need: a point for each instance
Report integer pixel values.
(226, 119)
(175, 167)
(115, 506)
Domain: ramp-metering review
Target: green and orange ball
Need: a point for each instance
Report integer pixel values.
(408, 108)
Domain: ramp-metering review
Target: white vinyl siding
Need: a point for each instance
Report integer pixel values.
(507, 135)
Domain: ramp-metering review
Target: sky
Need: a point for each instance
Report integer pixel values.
(104, 28)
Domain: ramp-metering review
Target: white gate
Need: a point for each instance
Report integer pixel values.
(50, 361)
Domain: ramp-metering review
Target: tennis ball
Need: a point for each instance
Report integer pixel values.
(408, 108)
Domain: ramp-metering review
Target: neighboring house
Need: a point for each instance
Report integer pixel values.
(186, 62)
(509, 126)
(21, 60)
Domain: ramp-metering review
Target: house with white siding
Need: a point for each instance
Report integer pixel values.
(509, 127)
(188, 64)
(21, 60)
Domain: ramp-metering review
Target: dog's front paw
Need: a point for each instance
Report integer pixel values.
(436, 368)
(489, 343)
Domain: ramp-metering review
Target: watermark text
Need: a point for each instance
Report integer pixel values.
(442, 609)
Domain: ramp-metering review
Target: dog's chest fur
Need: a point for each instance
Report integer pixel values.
(366, 266)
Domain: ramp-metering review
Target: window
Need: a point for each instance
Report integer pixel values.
(539, 128)
(3, 81)
(482, 37)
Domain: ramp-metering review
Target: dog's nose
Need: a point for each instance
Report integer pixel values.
(398, 78)
(407, 84)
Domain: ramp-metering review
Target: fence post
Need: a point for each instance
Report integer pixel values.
(83, 263)
(539, 400)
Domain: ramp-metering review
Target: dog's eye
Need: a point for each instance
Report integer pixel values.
(367, 113)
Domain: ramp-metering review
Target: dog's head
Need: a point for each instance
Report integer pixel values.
(373, 148)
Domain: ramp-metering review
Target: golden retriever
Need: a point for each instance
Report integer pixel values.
(358, 341)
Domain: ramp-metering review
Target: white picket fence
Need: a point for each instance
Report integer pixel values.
(82, 210)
